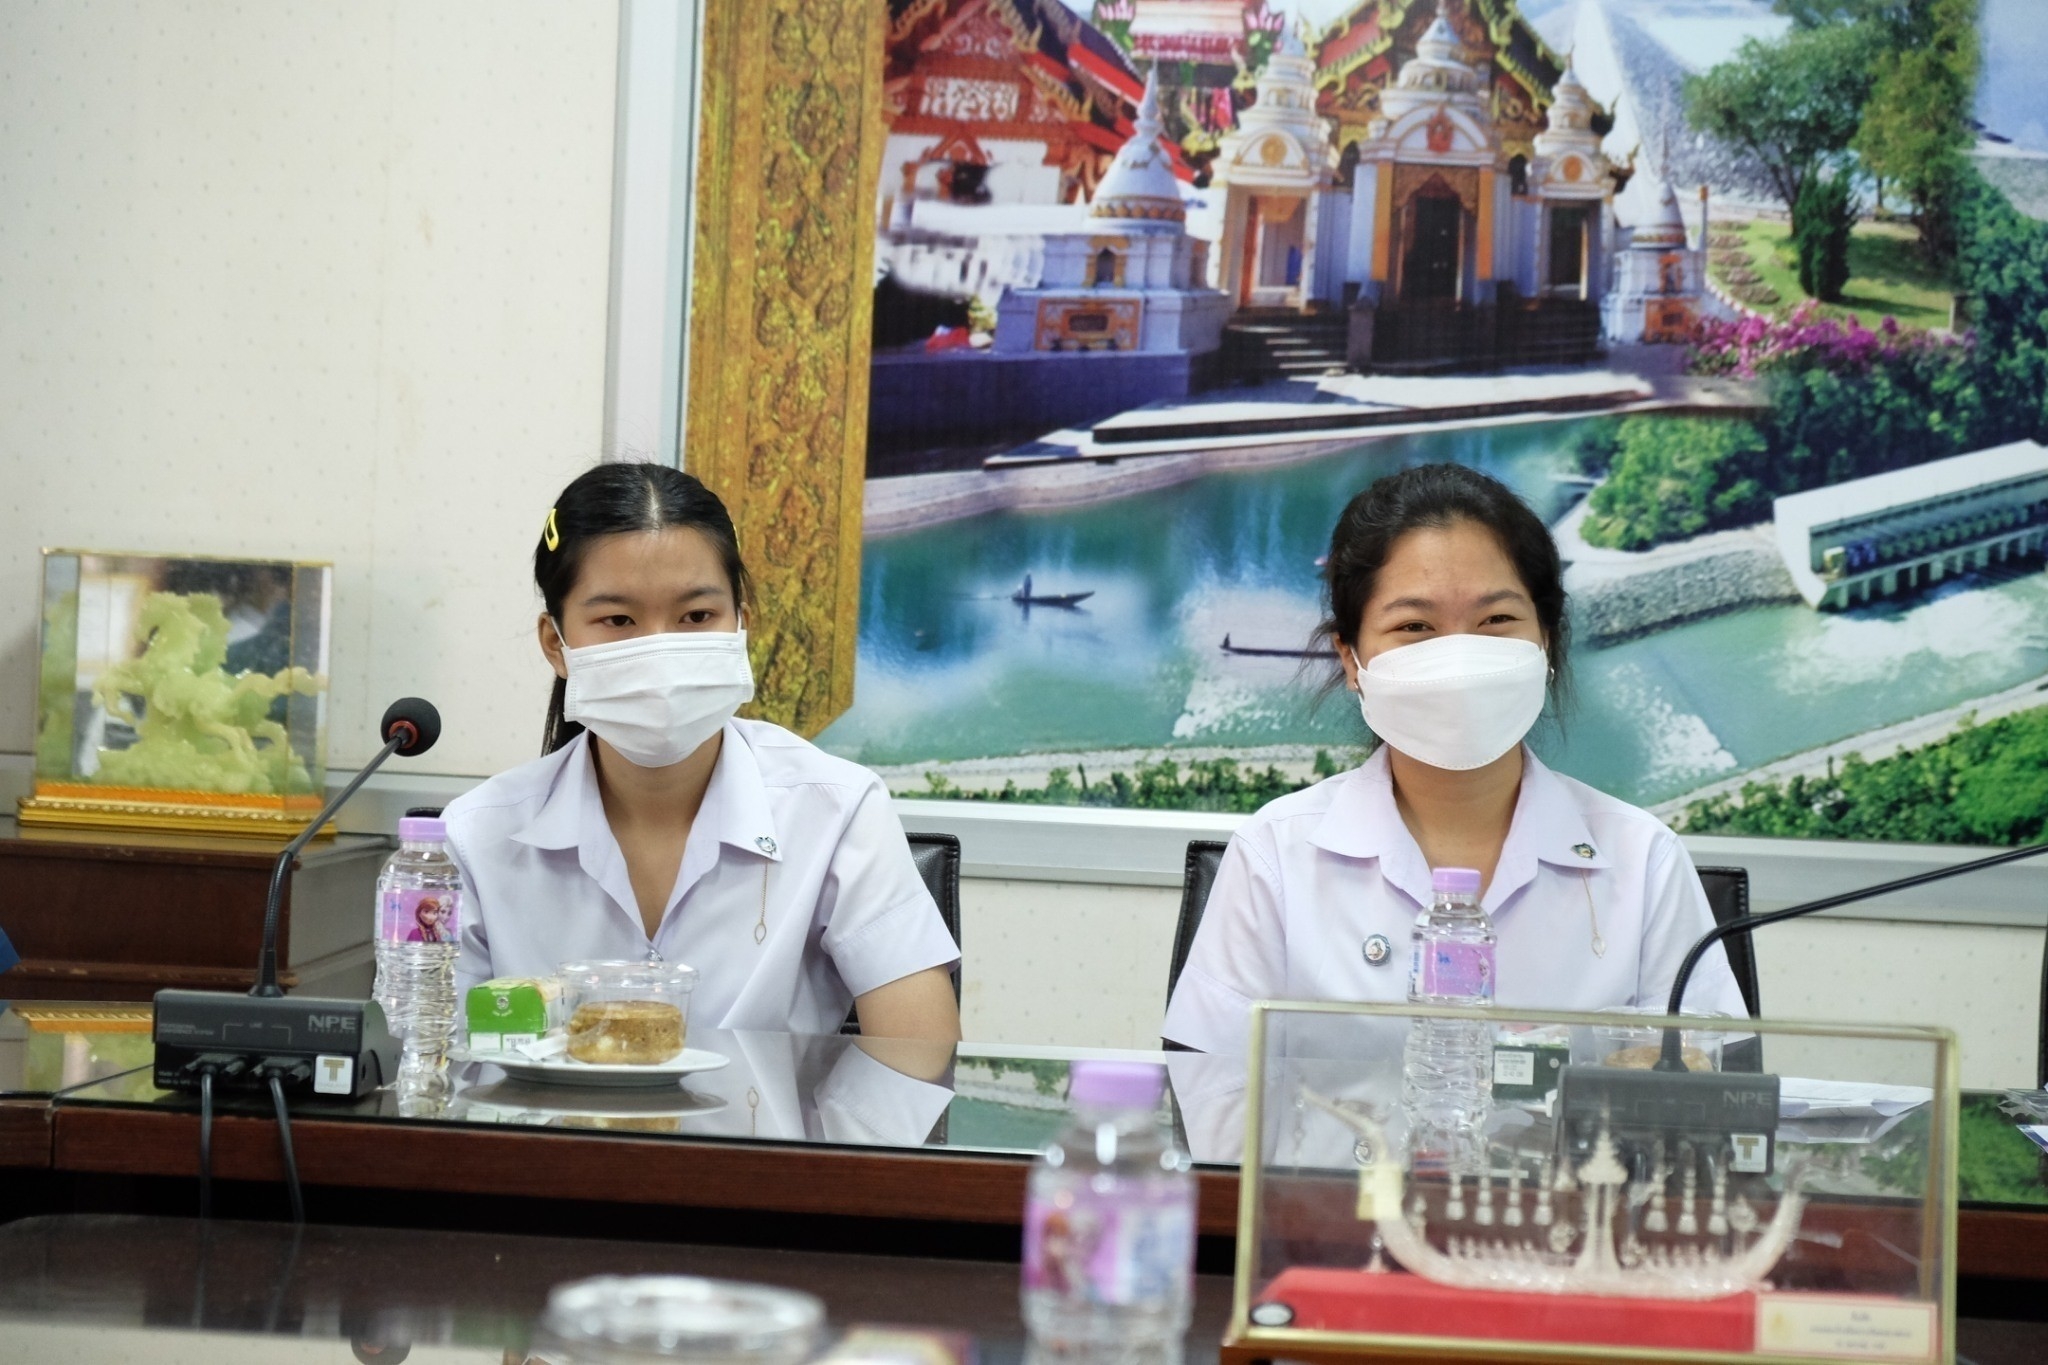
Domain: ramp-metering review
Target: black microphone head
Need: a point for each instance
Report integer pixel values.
(416, 718)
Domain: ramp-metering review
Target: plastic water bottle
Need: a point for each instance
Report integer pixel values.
(419, 924)
(1447, 1076)
(1109, 1226)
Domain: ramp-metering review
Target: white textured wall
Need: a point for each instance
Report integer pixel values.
(309, 280)
(1064, 962)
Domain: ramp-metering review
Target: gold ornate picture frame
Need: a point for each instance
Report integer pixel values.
(790, 135)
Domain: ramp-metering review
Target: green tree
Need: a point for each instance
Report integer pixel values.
(1827, 13)
(1984, 784)
(1821, 223)
(1672, 477)
(2002, 279)
(1794, 104)
(1916, 123)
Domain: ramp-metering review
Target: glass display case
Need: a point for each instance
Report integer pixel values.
(181, 693)
(1508, 1185)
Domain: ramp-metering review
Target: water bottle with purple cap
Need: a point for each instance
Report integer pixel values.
(1109, 1226)
(419, 924)
(1447, 1079)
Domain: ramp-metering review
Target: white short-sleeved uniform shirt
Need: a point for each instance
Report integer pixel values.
(796, 891)
(1594, 903)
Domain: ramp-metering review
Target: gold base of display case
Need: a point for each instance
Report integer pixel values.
(127, 814)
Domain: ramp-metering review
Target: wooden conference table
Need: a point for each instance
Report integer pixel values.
(125, 1288)
(829, 1131)
(801, 1150)
(809, 1126)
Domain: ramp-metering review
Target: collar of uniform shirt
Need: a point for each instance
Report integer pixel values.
(735, 810)
(1363, 822)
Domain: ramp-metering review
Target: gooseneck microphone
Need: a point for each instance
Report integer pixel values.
(1671, 1058)
(218, 1040)
(410, 727)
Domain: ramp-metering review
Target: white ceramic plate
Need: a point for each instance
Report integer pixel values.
(566, 1070)
(518, 1102)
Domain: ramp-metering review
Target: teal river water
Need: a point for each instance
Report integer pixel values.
(949, 668)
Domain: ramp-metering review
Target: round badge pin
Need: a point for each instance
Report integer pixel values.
(1377, 950)
(766, 845)
(1271, 1314)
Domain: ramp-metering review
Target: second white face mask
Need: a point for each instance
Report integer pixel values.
(1457, 701)
(657, 698)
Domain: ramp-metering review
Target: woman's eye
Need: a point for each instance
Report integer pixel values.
(1413, 627)
(1502, 619)
(616, 622)
(698, 618)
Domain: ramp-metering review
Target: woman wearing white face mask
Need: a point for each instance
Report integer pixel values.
(658, 824)
(1447, 613)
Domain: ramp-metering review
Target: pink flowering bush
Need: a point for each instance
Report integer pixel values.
(1807, 338)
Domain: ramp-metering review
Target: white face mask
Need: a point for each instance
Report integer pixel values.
(1457, 701)
(656, 698)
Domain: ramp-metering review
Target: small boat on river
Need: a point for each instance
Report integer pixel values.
(1024, 597)
(1250, 652)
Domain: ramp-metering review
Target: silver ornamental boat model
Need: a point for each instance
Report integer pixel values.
(1698, 1269)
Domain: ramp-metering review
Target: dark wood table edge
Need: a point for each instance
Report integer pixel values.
(802, 1178)
(27, 1132)
(933, 1185)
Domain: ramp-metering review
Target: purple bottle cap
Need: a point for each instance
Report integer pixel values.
(419, 829)
(1455, 881)
(1116, 1085)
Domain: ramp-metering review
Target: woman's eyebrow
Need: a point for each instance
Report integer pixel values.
(1429, 604)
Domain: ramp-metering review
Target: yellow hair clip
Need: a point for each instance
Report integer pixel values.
(551, 534)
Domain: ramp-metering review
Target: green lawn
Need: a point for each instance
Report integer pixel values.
(1886, 275)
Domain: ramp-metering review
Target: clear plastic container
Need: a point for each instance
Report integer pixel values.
(1627, 1043)
(1109, 1227)
(627, 1013)
(625, 1319)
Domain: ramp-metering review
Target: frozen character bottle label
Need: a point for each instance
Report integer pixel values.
(1117, 1247)
(1462, 971)
(420, 916)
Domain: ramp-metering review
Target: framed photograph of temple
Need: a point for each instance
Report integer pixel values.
(181, 694)
(1157, 285)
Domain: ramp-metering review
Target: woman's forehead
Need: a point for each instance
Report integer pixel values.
(1463, 560)
(672, 558)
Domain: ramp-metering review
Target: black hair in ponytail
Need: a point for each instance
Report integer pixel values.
(607, 500)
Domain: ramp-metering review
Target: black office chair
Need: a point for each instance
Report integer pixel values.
(2041, 1047)
(1727, 891)
(938, 861)
(1196, 878)
(1204, 856)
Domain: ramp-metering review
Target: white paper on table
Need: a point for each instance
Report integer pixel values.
(550, 1045)
(1799, 1098)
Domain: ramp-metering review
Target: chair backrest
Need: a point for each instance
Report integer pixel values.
(1727, 891)
(938, 861)
(2041, 1048)
(1204, 855)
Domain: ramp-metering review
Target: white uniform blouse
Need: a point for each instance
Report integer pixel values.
(796, 891)
(1594, 903)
